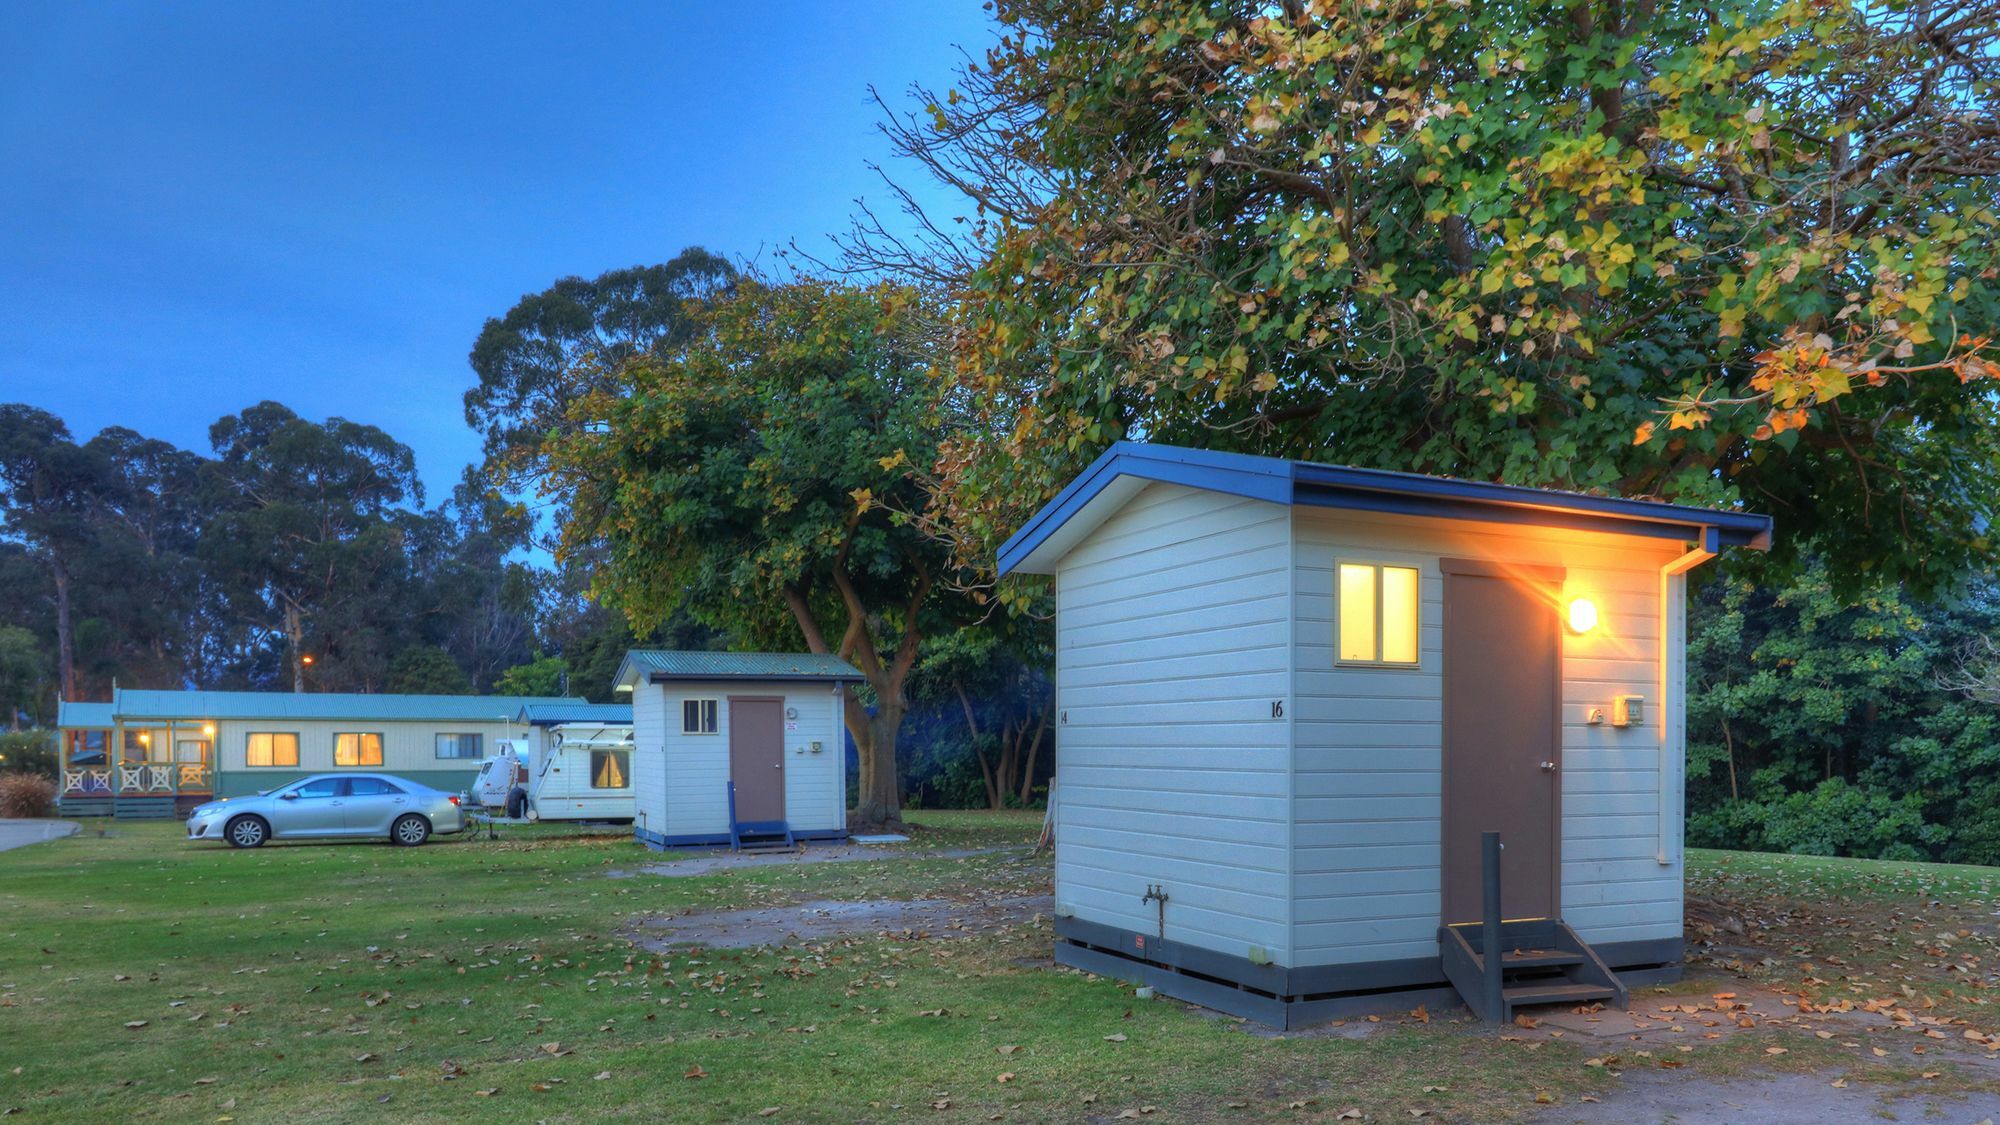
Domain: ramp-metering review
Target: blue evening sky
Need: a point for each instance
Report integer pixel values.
(203, 205)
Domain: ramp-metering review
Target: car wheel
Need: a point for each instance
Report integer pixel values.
(409, 831)
(247, 832)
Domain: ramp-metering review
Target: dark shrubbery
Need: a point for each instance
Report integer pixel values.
(29, 751)
(1832, 724)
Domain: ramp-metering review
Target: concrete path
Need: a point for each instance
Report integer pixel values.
(21, 833)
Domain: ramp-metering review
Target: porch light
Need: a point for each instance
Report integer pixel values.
(146, 737)
(208, 729)
(1582, 615)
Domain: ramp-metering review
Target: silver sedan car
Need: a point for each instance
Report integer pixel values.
(331, 806)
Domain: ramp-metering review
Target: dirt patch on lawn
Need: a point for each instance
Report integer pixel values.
(838, 853)
(809, 922)
(1663, 1096)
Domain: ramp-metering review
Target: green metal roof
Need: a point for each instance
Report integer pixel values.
(130, 705)
(73, 716)
(654, 665)
(549, 714)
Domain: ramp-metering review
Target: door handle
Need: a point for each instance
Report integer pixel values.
(1548, 767)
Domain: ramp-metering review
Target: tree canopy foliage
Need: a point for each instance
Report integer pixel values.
(126, 558)
(1843, 726)
(1711, 254)
(758, 479)
(565, 343)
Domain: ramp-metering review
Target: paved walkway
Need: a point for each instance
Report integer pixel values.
(21, 833)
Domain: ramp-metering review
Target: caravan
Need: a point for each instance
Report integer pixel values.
(574, 764)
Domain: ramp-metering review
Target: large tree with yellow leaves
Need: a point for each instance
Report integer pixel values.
(1721, 253)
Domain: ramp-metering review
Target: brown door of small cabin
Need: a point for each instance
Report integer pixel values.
(757, 756)
(1502, 748)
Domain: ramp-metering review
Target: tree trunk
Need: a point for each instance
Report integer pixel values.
(294, 636)
(65, 635)
(1729, 742)
(1034, 752)
(880, 803)
(881, 798)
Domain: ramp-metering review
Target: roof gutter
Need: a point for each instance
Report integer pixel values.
(1673, 687)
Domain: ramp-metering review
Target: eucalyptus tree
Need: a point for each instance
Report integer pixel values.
(308, 539)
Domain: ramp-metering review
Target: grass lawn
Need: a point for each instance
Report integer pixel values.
(142, 977)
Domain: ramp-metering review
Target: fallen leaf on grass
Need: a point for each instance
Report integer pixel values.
(1004, 1076)
(1115, 1037)
(1348, 1114)
(486, 1093)
(602, 1075)
(768, 1111)
(1838, 1083)
(366, 1056)
(134, 1025)
(1776, 1051)
(695, 1071)
(1008, 1049)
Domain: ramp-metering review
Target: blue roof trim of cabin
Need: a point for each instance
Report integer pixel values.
(1279, 481)
(549, 714)
(129, 705)
(83, 716)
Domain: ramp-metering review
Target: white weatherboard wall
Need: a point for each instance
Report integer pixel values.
(682, 779)
(1173, 641)
(1368, 741)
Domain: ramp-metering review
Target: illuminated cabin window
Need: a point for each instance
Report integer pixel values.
(357, 749)
(267, 748)
(1376, 615)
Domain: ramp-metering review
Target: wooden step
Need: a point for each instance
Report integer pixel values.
(1538, 959)
(1555, 992)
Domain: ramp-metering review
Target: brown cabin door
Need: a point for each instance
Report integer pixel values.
(757, 757)
(1502, 735)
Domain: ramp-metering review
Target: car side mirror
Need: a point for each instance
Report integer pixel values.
(288, 796)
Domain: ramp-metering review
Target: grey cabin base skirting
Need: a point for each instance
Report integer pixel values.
(1292, 998)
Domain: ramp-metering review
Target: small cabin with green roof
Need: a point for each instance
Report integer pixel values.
(747, 749)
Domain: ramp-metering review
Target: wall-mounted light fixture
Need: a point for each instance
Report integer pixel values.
(208, 729)
(1582, 615)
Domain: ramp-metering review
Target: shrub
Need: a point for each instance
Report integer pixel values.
(26, 795)
(29, 751)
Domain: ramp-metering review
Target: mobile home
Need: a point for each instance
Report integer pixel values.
(736, 748)
(1292, 698)
(159, 753)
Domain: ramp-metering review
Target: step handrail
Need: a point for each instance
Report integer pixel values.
(1492, 990)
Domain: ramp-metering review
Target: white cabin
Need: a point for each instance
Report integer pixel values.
(1293, 696)
(742, 749)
